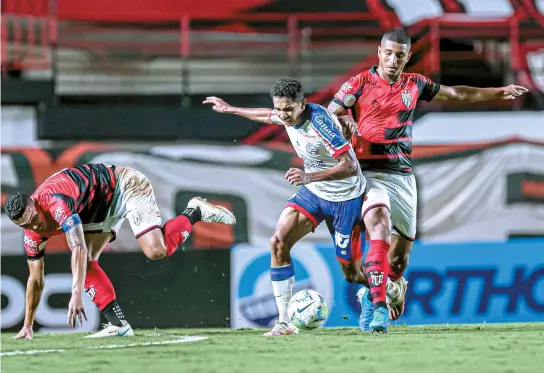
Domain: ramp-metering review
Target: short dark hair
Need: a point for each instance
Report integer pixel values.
(15, 205)
(287, 87)
(397, 35)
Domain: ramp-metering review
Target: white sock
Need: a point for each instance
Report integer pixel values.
(283, 290)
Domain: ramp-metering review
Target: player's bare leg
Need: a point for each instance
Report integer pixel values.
(159, 243)
(291, 227)
(100, 289)
(152, 244)
(378, 224)
(354, 272)
(399, 253)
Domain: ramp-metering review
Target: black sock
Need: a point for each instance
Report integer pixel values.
(379, 305)
(194, 215)
(113, 313)
(369, 295)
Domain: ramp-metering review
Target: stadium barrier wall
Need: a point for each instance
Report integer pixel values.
(189, 289)
(448, 284)
(485, 191)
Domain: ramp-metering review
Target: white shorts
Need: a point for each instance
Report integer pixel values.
(399, 194)
(133, 200)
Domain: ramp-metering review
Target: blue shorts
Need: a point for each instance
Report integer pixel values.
(341, 218)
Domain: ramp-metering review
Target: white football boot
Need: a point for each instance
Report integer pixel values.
(282, 328)
(396, 294)
(111, 330)
(212, 213)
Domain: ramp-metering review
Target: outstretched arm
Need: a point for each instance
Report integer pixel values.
(76, 242)
(261, 115)
(34, 289)
(465, 93)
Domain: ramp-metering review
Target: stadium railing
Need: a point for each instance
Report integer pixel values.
(185, 55)
(240, 53)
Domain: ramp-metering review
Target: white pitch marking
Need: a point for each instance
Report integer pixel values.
(177, 340)
(28, 352)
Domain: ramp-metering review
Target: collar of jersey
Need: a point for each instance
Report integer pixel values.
(374, 70)
(298, 126)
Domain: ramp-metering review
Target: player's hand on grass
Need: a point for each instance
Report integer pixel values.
(349, 126)
(219, 105)
(76, 310)
(296, 176)
(25, 333)
(513, 91)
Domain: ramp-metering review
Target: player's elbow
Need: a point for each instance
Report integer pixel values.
(463, 97)
(351, 167)
(460, 94)
(336, 109)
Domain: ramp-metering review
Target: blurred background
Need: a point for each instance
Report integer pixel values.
(122, 82)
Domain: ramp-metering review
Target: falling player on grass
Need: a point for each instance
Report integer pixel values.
(382, 101)
(89, 204)
(331, 186)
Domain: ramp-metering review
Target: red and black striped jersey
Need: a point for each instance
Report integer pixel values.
(86, 190)
(384, 112)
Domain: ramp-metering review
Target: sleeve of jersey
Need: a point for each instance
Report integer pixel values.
(349, 93)
(274, 118)
(34, 245)
(328, 130)
(427, 88)
(61, 208)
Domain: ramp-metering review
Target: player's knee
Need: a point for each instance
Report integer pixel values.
(350, 274)
(377, 222)
(155, 252)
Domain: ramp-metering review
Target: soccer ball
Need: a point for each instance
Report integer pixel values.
(395, 291)
(307, 309)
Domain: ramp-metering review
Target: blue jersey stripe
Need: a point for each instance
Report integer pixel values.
(325, 127)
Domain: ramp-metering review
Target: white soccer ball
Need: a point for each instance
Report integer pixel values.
(395, 292)
(307, 309)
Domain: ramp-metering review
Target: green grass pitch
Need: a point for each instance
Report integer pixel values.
(500, 348)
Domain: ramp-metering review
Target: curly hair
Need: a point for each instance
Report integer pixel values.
(397, 35)
(15, 205)
(287, 87)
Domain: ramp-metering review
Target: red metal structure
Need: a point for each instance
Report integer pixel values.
(30, 32)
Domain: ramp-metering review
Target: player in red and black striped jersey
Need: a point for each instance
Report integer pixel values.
(382, 101)
(88, 204)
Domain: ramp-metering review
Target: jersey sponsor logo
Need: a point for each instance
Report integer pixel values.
(312, 149)
(341, 240)
(349, 100)
(406, 97)
(346, 87)
(59, 213)
(30, 244)
(310, 163)
(320, 120)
